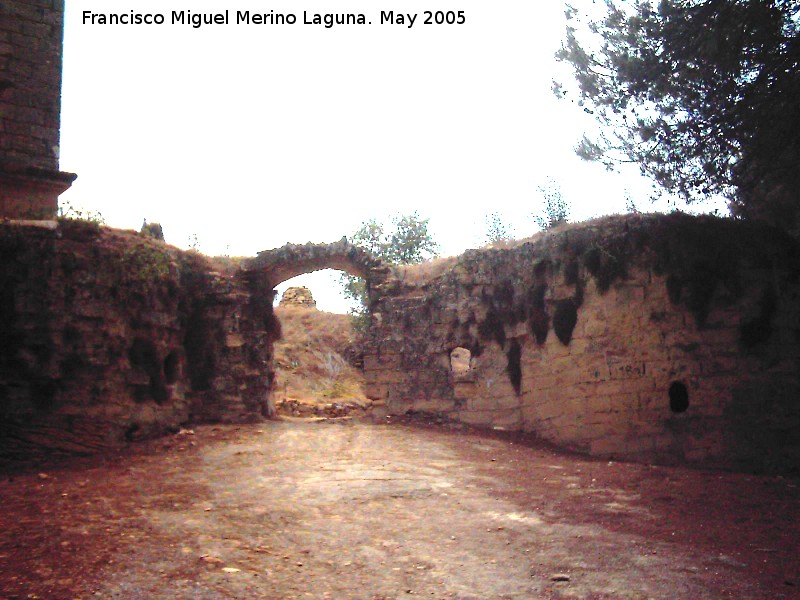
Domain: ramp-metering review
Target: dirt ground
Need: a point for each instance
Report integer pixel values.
(351, 509)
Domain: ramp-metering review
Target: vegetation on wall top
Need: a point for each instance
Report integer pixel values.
(702, 260)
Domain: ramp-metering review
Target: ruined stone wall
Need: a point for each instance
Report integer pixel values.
(107, 336)
(281, 264)
(657, 338)
(31, 33)
(300, 297)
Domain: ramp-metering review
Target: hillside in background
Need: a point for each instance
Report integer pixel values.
(315, 372)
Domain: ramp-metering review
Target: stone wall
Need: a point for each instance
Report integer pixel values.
(281, 264)
(31, 33)
(300, 297)
(657, 338)
(107, 336)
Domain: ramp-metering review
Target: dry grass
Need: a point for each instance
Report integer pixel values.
(227, 265)
(311, 360)
(426, 271)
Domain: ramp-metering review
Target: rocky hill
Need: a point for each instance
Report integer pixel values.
(315, 372)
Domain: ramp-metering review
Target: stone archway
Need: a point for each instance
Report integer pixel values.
(278, 265)
(272, 267)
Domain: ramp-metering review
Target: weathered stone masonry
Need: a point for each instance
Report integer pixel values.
(31, 34)
(658, 338)
(654, 338)
(278, 265)
(108, 336)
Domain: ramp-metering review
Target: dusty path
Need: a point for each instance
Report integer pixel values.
(355, 510)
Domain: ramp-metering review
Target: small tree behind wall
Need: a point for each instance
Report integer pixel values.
(407, 241)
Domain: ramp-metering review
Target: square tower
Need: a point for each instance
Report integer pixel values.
(31, 46)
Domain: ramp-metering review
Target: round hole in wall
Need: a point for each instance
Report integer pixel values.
(678, 397)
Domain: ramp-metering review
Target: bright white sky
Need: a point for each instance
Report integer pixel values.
(246, 137)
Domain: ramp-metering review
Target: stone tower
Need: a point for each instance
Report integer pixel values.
(31, 36)
(298, 296)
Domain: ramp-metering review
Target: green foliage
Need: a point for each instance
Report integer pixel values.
(701, 94)
(556, 208)
(144, 264)
(360, 313)
(407, 242)
(497, 230)
(153, 230)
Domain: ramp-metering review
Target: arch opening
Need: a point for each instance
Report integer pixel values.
(281, 264)
(460, 361)
(318, 360)
(325, 288)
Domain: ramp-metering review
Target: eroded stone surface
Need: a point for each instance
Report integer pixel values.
(655, 338)
(108, 335)
(667, 338)
(281, 264)
(30, 103)
(298, 296)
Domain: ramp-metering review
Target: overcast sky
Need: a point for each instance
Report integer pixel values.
(246, 137)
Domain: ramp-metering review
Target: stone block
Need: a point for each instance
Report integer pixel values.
(554, 349)
(585, 346)
(591, 326)
(433, 405)
(389, 376)
(507, 419)
(465, 389)
(663, 441)
(612, 444)
(639, 444)
(567, 431)
(376, 390)
(479, 403)
(234, 340)
(508, 401)
(476, 417)
(547, 410)
(598, 404)
(382, 361)
(539, 382)
(497, 387)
